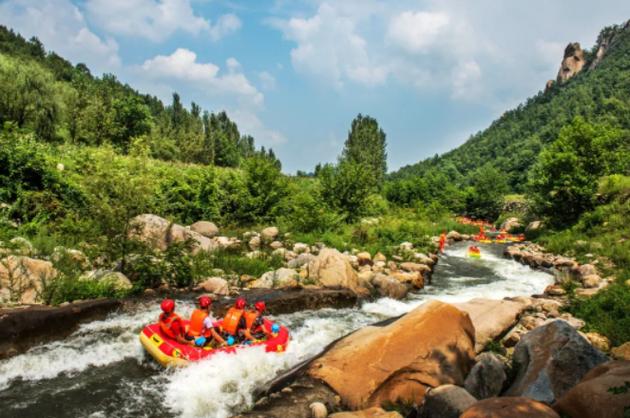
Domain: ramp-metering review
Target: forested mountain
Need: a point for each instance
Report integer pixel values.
(43, 93)
(599, 93)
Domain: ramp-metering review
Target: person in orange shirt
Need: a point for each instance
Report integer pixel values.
(201, 325)
(442, 242)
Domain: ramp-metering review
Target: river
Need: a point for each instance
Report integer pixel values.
(102, 371)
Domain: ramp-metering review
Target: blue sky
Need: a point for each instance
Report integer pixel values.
(295, 73)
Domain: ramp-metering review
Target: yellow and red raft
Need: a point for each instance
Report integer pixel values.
(169, 352)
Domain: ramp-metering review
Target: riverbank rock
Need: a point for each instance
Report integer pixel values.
(510, 224)
(281, 278)
(388, 286)
(454, 235)
(509, 407)
(415, 267)
(205, 228)
(269, 234)
(430, 346)
(215, 285)
(550, 360)
(487, 377)
(594, 396)
(22, 278)
(333, 270)
(116, 279)
(374, 412)
(415, 279)
(534, 226)
(446, 401)
(491, 318)
(599, 341)
(622, 352)
(160, 233)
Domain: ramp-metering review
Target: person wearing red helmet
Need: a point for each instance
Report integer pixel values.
(201, 325)
(253, 327)
(170, 323)
(234, 318)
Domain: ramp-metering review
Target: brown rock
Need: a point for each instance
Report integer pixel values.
(430, 346)
(509, 407)
(21, 278)
(415, 267)
(555, 290)
(374, 412)
(379, 257)
(446, 401)
(598, 341)
(572, 62)
(622, 352)
(491, 318)
(591, 281)
(215, 285)
(205, 228)
(594, 397)
(415, 279)
(364, 258)
(332, 269)
(269, 234)
(389, 287)
(511, 223)
(160, 233)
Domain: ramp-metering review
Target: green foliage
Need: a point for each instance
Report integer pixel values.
(308, 213)
(234, 263)
(485, 195)
(366, 146)
(607, 312)
(345, 188)
(564, 180)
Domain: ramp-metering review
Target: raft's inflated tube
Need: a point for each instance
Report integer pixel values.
(169, 352)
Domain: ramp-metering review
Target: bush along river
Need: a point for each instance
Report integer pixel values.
(101, 370)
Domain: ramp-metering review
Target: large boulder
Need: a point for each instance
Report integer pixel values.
(374, 412)
(214, 285)
(446, 401)
(550, 360)
(492, 318)
(415, 279)
(509, 407)
(487, 377)
(511, 223)
(269, 234)
(604, 392)
(281, 278)
(116, 279)
(205, 228)
(388, 286)
(428, 347)
(22, 279)
(332, 269)
(160, 233)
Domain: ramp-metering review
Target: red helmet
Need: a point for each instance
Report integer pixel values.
(168, 305)
(240, 303)
(260, 306)
(205, 301)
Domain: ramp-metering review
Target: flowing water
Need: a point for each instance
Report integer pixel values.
(102, 371)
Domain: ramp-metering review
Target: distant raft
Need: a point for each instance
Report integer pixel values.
(169, 352)
(474, 252)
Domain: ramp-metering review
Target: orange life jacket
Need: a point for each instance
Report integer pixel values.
(250, 318)
(195, 326)
(231, 320)
(166, 322)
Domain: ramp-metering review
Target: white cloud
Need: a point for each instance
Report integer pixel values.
(329, 46)
(466, 80)
(416, 31)
(156, 19)
(249, 123)
(267, 80)
(226, 25)
(182, 66)
(60, 25)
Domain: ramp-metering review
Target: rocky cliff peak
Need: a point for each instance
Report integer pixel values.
(572, 63)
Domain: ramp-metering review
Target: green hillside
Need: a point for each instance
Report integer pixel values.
(512, 143)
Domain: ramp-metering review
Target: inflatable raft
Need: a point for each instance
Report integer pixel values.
(169, 352)
(474, 252)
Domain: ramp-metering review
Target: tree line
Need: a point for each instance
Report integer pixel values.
(43, 93)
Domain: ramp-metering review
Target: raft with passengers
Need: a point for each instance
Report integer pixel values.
(174, 341)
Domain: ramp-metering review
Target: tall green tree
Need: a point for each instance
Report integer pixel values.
(366, 145)
(485, 196)
(563, 182)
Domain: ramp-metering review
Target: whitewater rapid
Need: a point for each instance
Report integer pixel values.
(102, 371)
